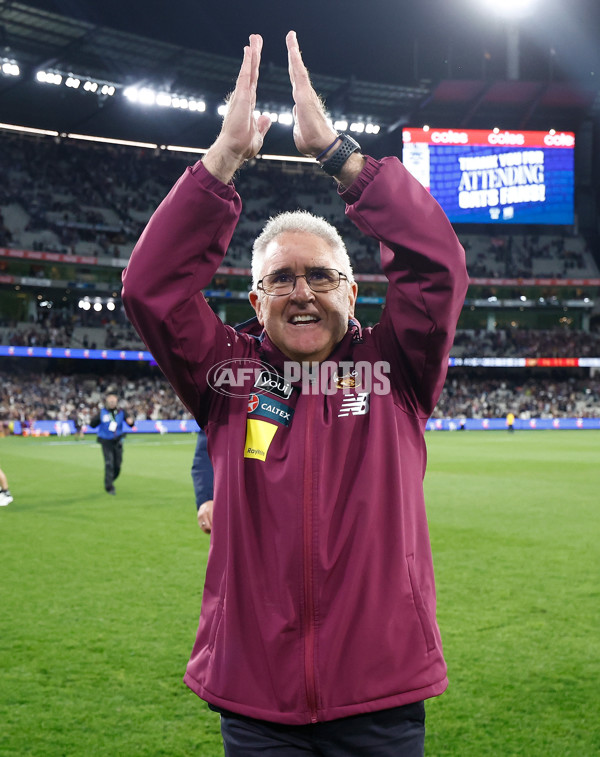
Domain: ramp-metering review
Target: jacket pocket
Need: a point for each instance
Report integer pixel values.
(424, 619)
(215, 625)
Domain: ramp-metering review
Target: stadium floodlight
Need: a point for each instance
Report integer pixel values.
(222, 109)
(73, 82)
(197, 105)
(110, 140)
(146, 96)
(108, 89)
(287, 158)
(10, 67)
(110, 305)
(286, 118)
(49, 77)
(181, 148)
(163, 100)
(340, 125)
(511, 9)
(357, 126)
(372, 128)
(131, 93)
(29, 130)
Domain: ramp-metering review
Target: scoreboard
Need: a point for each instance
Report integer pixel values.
(500, 177)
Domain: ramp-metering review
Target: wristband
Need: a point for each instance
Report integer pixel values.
(347, 146)
(326, 150)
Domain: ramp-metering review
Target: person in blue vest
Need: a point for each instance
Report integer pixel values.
(112, 423)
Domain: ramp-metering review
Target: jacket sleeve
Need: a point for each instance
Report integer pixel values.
(202, 471)
(425, 266)
(176, 256)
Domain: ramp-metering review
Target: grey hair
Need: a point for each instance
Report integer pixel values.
(299, 220)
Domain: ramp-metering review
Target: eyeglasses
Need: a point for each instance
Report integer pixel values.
(318, 279)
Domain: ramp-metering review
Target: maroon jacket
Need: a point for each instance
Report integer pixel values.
(319, 599)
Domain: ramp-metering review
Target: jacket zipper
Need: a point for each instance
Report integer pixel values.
(309, 625)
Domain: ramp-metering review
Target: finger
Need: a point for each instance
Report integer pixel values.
(297, 69)
(291, 42)
(204, 526)
(256, 44)
(246, 67)
(241, 81)
(245, 86)
(263, 125)
(295, 62)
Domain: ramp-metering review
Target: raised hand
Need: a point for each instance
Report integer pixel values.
(313, 131)
(242, 134)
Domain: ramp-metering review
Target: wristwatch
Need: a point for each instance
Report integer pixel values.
(347, 146)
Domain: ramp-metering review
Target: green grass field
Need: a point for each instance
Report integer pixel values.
(100, 595)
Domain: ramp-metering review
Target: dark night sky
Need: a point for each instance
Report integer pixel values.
(394, 41)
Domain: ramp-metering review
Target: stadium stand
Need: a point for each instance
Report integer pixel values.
(96, 200)
(117, 333)
(77, 210)
(472, 396)
(28, 395)
(529, 256)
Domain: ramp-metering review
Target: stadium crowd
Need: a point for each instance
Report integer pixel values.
(94, 200)
(75, 329)
(526, 343)
(113, 331)
(82, 199)
(528, 256)
(29, 396)
(479, 397)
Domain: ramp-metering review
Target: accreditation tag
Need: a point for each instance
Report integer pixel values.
(259, 435)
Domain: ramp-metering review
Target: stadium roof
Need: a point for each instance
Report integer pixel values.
(85, 40)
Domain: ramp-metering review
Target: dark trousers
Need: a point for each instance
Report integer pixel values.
(397, 732)
(112, 449)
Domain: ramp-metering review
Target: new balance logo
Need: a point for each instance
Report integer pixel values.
(354, 404)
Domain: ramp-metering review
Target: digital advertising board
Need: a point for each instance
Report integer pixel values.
(494, 176)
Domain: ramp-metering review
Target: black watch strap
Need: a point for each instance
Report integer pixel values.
(347, 146)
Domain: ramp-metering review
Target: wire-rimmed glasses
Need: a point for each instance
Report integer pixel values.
(318, 279)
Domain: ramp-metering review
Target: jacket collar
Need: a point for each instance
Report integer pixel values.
(343, 350)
